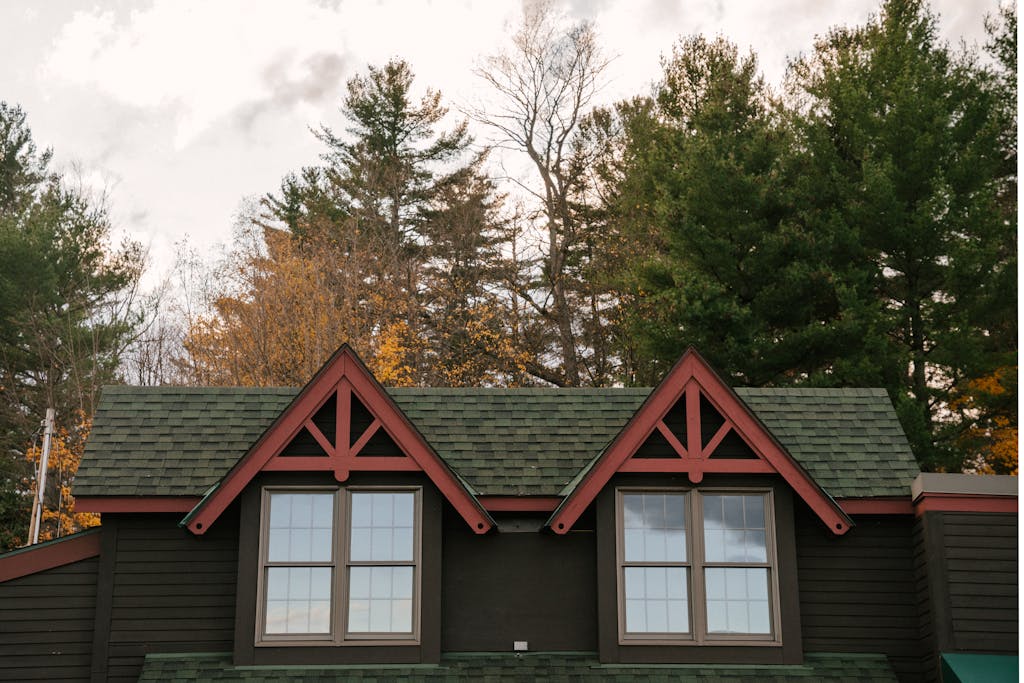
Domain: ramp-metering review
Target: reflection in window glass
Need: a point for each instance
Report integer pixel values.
(737, 600)
(301, 527)
(734, 528)
(382, 527)
(656, 600)
(654, 527)
(380, 600)
(298, 600)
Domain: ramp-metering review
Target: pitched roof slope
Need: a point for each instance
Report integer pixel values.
(179, 441)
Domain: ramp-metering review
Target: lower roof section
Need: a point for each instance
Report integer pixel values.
(576, 666)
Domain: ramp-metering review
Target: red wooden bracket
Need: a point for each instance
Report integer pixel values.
(342, 377)
(689, 380)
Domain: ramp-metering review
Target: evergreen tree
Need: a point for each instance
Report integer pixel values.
(735, 271)
(66, 313)
(902, 138)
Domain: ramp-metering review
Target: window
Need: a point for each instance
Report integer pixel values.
(339, 566)
(696, 567)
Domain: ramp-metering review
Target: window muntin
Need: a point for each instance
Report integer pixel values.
(339, 566)
(736, 568)
(655, 563)
(708, 555)
(381, 562)
(299, 563)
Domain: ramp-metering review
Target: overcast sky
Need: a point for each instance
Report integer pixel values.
(181, 109)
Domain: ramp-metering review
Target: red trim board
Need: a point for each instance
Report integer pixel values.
(689, 380)
(958, 502)
(136, 504)
(877, 506)
(30, 560)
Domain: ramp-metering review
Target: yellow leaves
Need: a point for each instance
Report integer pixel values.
(394, 363)
(991, 438)
(66, 447)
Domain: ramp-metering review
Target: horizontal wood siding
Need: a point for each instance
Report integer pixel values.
(858, 591)
(980, 556)
(530, 586)
(926, 611)
(172, 591)
(46, 622)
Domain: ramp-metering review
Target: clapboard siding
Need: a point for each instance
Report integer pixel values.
(858, 591)
(172, 591)
(926, 610)
(980, 552)
(46, 622)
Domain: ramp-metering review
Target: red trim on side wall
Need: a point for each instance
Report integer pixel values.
(958, 502)
(136, 504)
(520, 503)
(876, 506)
(49, 555)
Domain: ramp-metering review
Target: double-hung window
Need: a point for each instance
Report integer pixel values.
(696, 566)
(339, 566)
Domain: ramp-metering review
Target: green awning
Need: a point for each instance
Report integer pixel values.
(974, 668)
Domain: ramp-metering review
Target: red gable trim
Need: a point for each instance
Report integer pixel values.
(135, 504)
(342, 376)
(877, 506)
(50, 555)
(959, 502)
(690, 378)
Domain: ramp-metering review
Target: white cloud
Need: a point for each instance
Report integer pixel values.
(201, 60)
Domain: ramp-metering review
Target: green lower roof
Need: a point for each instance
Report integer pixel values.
(965, 667)
(852, 668)
(179, 441)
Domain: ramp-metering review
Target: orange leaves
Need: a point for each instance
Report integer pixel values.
(990, 407)
(66, 447)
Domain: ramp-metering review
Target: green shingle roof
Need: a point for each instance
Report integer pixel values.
(179, 441)
(851, 668)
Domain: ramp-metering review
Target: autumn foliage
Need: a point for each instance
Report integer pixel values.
(59, 517)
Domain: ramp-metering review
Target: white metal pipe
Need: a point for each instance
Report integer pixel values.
(44, 460)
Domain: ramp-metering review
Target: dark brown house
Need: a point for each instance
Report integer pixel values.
(347, 531)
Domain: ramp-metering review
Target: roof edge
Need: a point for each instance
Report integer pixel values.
(49, 554)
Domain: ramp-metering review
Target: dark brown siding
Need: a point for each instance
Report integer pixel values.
(858, 591)
(973, 556)
(171, 591)
(513, 585)
(923, 598)
(46, 623)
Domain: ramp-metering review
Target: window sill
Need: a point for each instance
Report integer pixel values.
(395, 642)
(662, 642)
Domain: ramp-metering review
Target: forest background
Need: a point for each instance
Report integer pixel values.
(852, 225)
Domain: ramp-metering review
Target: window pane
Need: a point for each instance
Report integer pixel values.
(656, 599)
(382, 527)
(298, 600)
(734, 528)
(654, 527)
(737, 600)
(301, 527)
(380, 600)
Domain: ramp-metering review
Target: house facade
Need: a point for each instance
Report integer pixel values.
(346, 531)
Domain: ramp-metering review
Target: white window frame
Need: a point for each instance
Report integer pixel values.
(696, 565)
(340, 563)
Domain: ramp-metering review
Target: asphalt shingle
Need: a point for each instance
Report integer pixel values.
(540, 666)
(179, 441)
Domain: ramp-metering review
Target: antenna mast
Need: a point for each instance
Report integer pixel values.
(37, 504)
